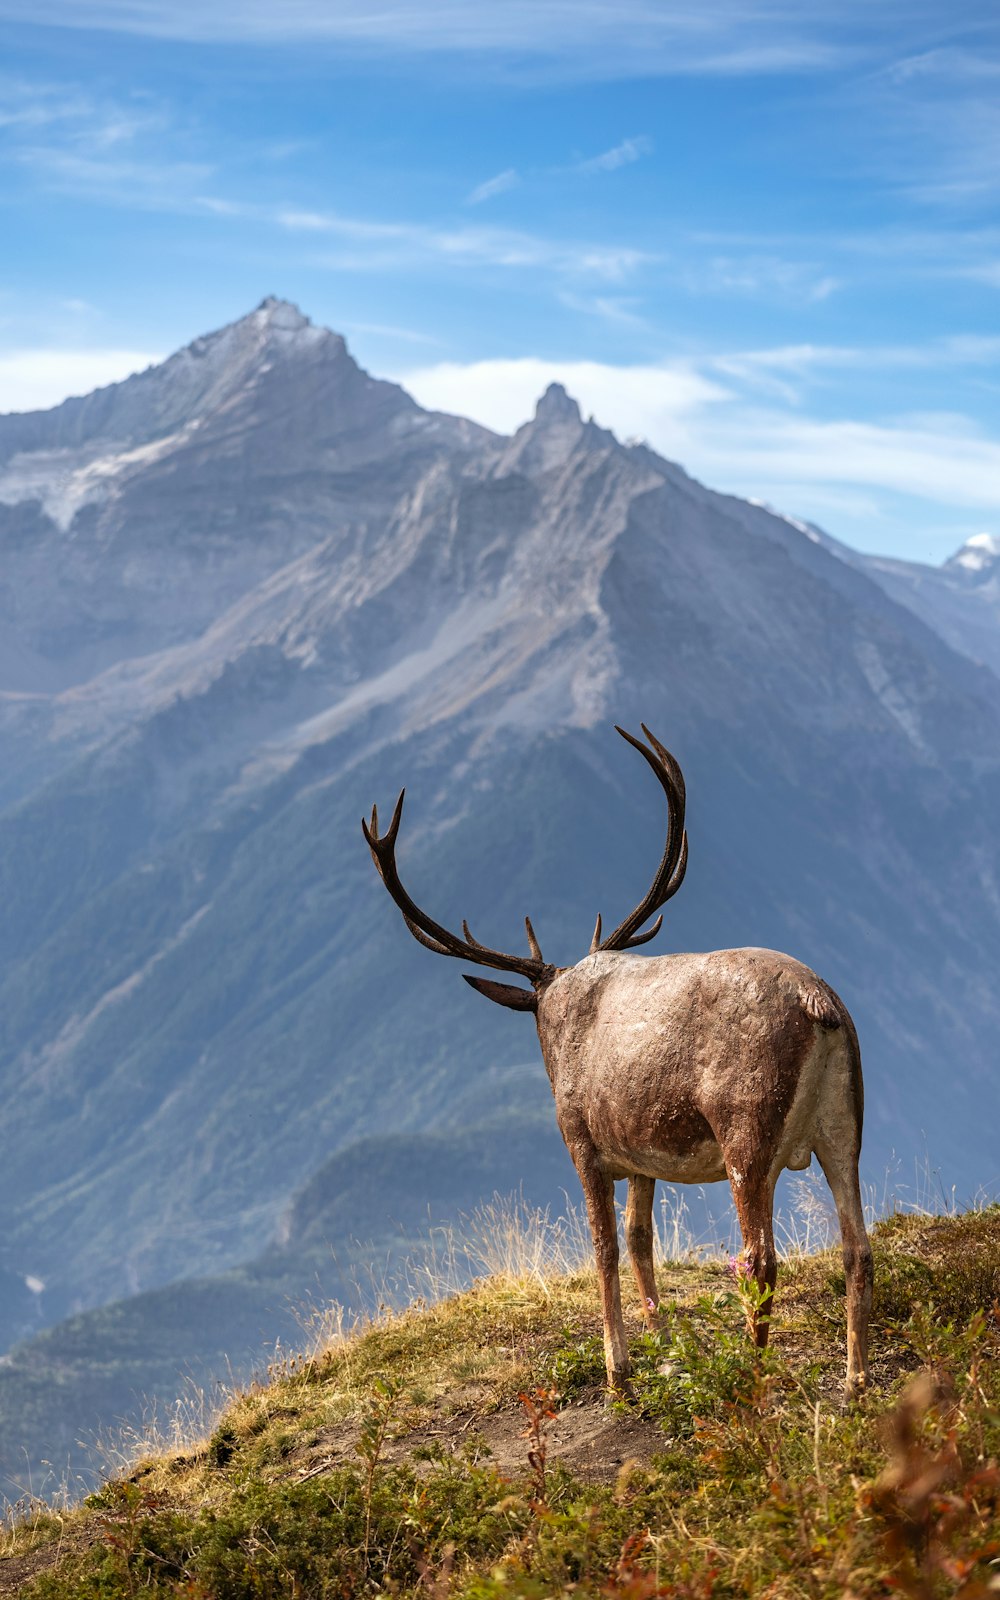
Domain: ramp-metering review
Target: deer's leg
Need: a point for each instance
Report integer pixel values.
(754, 1197)
(639, 1238)
(842, 1175)
(599, 1192)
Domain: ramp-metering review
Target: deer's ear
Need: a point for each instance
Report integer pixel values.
(505, 994)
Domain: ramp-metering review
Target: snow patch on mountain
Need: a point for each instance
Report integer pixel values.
(977, 554)
(959, 600)
(793, 522)
(63, 481)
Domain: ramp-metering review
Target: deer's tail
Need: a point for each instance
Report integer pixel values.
(821, 1004)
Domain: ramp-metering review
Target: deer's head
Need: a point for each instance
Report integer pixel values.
(534, 967)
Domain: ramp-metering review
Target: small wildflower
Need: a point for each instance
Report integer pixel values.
(650, 1303)
(738, 1267)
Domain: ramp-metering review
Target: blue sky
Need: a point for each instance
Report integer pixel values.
(762, 234)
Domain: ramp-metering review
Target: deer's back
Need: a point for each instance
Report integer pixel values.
(659, 1060)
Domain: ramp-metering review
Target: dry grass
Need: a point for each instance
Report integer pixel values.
(450, 1362)
(521, 1250)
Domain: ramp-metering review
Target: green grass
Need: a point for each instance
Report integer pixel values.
(346, 1473)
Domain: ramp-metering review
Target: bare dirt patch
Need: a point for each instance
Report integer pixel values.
(591, 1438)
(17, 1571)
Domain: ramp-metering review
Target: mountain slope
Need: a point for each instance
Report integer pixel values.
(355, 1233)
(960, 600)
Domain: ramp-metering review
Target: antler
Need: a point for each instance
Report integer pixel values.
(670, 874)
(430, 933)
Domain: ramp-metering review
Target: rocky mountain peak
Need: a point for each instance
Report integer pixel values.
(556, 405)
(281, 322)
(274, 327)
(977, 556)
(549, 439)
(281, 313)
(172, 395)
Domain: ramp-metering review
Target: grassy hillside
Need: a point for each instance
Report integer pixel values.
(369, 1210)
(465, 1450)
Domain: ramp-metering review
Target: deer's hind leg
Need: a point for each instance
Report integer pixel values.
(841, 1172)
(753, 1193)
(599, 1193)
(639, 1238)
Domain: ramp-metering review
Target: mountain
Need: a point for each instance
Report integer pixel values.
(133, 518)
(960, 599)
(252, 590)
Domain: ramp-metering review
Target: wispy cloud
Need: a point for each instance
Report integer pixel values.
(109, 148)
(97, 121)
(620, 155)
(556, 37)
(385, 245)
(106, 155)
(29, 105)
(385, 330)
(946, 460)
(508, 179)
(358, 228)
(761, 276)
(143, 183)
(959, 65)
(954, 350)
(936, 117)
(795, 54)
(616, 309)
(787, 371)
(983, 272)
(878, 257)
(286, 149)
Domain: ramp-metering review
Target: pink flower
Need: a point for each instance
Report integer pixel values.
(651, 1304)
(739, 1268)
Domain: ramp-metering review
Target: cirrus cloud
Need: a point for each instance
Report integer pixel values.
(508, 179)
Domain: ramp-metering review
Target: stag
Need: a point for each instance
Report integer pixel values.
(689, 1068)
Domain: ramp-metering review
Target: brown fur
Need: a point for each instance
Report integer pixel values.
(691, 1068)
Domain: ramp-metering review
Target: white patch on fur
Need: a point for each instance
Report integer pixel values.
(703, 1164)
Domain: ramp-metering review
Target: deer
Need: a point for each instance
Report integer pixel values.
(688, 1068)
